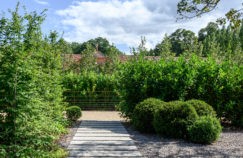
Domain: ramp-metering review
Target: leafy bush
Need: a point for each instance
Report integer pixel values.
(205, 130)
(202, 108)
(143, 114)
(218, 84)
(30, 88)
(173, 119)
(73, 113)
(141, 79)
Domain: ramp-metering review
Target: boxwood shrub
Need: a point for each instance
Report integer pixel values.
(202, 108)
(205, 130)
(73, 113)
(143, 114)
(173, 119)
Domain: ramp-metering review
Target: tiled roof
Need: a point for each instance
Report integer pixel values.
(101, 58)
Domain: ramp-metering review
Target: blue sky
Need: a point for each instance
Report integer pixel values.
(122, 22)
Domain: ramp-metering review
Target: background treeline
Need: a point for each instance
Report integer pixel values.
(221, 42)
(100, 43)
(31, 106)
(213, 39)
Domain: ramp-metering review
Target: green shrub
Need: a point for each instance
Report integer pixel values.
(218, 84)
(202, 108)
(205, 130)
(73, 113)
(173, 119)
(143, 114)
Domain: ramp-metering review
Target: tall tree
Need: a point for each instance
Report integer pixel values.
(210, 46)
(183, 40)
(241, 34)
(207, 31)
(102, 44)
(163, 49)
(76, 47)
(30, 90)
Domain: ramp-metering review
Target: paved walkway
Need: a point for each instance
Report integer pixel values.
(101, 134)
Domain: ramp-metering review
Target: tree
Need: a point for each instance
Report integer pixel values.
(210, 46)
(207, 31)
(241, 34)
(76, 47)
(30, 90)
(88, 61)
(163, 49)
(194, 8)
(64, 46)
(102, 44)
(183, 40)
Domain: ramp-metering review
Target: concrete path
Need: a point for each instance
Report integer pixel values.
(101, 134)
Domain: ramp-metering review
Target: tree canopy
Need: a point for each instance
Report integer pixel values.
(100, 43)
(194, 8)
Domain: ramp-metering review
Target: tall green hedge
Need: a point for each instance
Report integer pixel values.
(90, 89)
(218, 84)
(30, 88)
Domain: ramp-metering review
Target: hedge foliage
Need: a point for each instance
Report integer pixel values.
(89, 82)
(30, 88)
(218, 84)
(86, 88)
(73, 113)
(144, 113)
(205, 130)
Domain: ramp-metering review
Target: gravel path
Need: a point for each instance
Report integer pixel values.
(229, 145)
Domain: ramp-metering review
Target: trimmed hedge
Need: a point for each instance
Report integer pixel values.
(143, 114)
(205, 130)
(218, 84)
(173, 119)
(202, 108)
(89, 89)
(73, 113)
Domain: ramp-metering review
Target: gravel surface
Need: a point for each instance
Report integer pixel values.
(66, 139)
(229, 145)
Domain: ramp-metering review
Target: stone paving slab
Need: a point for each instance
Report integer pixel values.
(110, 134)
(102, 147)
(105, 153)
(101, 142)
(102, 137)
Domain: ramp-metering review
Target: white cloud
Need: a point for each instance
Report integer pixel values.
(41, 2)
(124, 22)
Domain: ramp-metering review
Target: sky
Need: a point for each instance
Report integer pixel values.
(122, 22)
